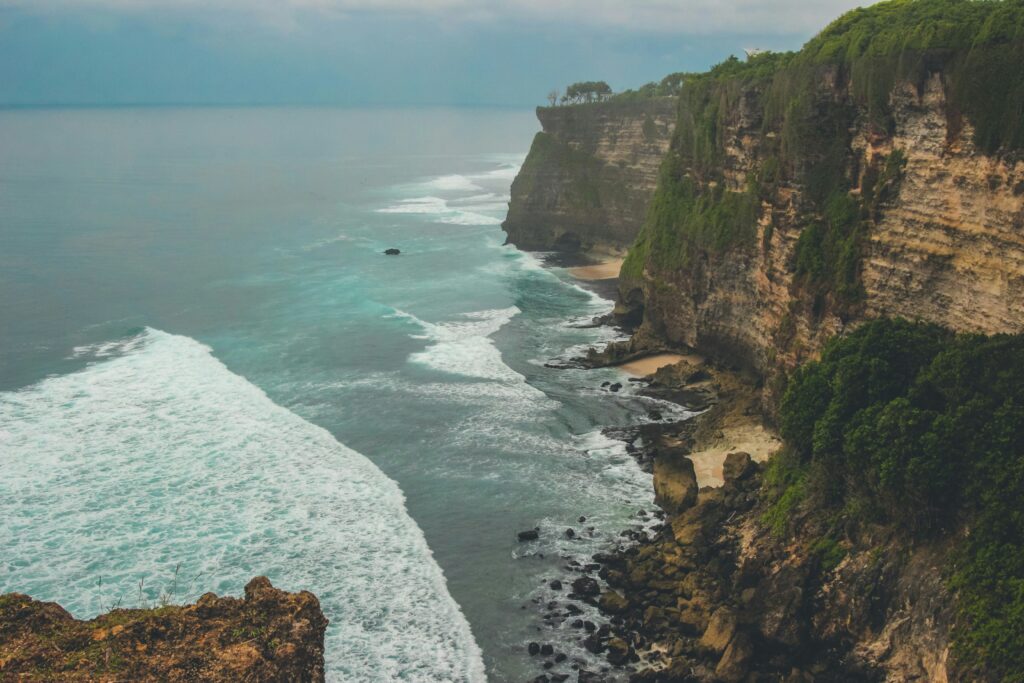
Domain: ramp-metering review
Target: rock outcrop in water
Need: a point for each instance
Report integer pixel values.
(590, 175)
(270, 635)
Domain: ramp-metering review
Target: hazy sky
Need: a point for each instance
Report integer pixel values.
(503, 52)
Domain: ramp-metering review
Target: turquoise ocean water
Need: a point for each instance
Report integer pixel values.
(208, 370)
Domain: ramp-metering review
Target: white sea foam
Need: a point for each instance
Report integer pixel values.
(469, 218)
(438, 207)
(506, 172)
(464, 346)
(417, 205)
(107, 349)
(483, 202)
(159, 455)
(453, 182)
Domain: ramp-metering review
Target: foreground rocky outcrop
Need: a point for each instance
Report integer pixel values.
(590, 175)
(269, 635)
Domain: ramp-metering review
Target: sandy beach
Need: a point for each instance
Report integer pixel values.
(743, 435)
(606, 270)
(651, 364)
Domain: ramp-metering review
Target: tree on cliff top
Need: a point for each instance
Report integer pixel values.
(587, 91)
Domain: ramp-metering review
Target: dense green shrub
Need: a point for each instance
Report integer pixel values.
(978, 45)
(910, 425)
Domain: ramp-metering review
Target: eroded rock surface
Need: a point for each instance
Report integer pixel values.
(269, 635)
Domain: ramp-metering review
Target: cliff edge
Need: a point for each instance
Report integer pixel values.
(590, 175)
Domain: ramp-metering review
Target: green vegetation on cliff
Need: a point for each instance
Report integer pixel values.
(692, 209)
(805, 104)
(978, 46)
(909, 425)
(546, 153)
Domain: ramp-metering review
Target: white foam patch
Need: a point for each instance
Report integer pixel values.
(452, 183)
(620, 474)
(440, 210)
(161, 455)
(417, 205)
(506, 172)
(469, 218)
(107, 349)
(483, 202)
(464, 346)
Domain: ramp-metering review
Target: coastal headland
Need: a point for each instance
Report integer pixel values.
(832, 251)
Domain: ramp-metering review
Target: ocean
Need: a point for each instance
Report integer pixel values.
(210, 371)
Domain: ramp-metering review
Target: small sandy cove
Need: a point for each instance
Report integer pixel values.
(748, 436)
(606, 270)
(642, 367)
(736, 429)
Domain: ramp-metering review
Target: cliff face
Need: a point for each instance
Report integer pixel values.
(939, 234)
(877, 173)
(270, 635)
(949, 248)
(590, 175)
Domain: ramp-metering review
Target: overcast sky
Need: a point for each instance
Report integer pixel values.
(500, 52)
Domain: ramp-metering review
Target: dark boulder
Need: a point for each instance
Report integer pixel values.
(392, 252)
(586, 587)
(675, 482)
(737, 466)
(618, 651)
(593, 644)
(529, 535)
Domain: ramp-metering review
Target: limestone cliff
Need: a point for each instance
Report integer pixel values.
(877, 173)
(590, 175)
(793, 205)
(270, 635)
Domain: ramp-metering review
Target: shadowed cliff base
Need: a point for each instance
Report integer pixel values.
(270, 635)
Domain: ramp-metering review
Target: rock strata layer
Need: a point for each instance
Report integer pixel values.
(943, 240)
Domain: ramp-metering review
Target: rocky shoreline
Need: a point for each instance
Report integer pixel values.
(708, 592)
(659, 446)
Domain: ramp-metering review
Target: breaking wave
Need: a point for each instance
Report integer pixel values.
(156, 454)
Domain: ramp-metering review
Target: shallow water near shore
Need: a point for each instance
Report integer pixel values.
(209, 370)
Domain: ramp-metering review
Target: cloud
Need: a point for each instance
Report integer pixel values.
(693, 17)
